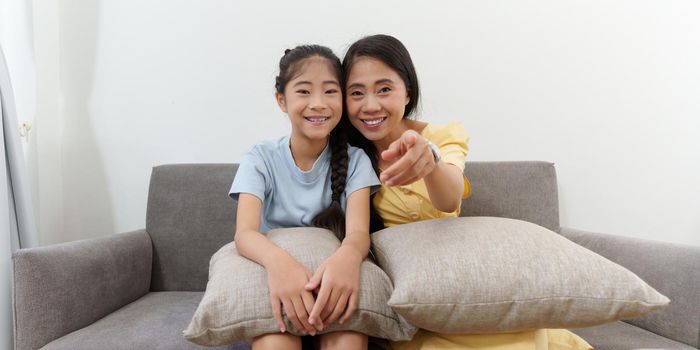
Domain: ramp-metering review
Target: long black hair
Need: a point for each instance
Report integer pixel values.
(394, 54)
(333, 217)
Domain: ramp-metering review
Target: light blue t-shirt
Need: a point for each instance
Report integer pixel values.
(292, 197)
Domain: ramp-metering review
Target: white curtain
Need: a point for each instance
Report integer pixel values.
(17, 95)
(16, 214)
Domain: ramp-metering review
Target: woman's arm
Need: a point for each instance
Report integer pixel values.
(413, 160)
(339, 275)
(445, 186)
(286, 277)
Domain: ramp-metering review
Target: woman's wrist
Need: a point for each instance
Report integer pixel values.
(435, 150)
(436, 174)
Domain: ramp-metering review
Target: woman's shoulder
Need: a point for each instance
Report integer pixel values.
(451, 127)
(444, 132)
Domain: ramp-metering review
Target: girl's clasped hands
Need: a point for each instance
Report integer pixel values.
(311, 302)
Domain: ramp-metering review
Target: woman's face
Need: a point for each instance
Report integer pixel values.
(376, 99)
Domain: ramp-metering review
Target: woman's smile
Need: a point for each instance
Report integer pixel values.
(373, 123)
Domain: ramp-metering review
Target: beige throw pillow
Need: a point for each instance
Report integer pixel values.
(485, 275)
(236, 304)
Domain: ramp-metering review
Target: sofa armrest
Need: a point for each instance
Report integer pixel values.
(672, 269)
(61, 288)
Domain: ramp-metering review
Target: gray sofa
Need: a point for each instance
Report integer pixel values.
(138, 290)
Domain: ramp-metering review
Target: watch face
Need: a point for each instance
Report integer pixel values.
(436, 151)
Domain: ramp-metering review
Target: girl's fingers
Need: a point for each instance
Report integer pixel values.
(292, 315)
(330, 306)
(277, 313)
(352, 307)
(308, 300)
(339, 307)
(302, 315)
(315, 280)
(321, 301)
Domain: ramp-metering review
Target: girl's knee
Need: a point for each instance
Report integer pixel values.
(275, 341)
(345, 340)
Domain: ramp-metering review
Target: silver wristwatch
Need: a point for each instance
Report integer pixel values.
(436, 151)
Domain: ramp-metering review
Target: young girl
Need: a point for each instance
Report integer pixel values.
(308, 178)
(421, 168)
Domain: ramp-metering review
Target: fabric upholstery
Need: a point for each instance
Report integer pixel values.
(154, 322)
(486, 275)
(189, 217)
(236, 305)
(672, 269)
(60, 289)
(518, 190)
(622, 335)
(65, 287)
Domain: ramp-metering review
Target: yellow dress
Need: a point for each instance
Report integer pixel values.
(541, 339)
(403, 204)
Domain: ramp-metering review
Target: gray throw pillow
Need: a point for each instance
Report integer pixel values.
(236, 303)
(488, 275)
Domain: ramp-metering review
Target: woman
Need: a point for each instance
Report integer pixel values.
(421, 167)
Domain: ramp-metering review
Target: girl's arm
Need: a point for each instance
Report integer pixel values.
(339, 275)
(286, 277)
(444, 181)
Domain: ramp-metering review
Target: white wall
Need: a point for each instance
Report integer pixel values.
(607, 90)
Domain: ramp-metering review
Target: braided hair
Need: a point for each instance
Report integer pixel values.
(333, 217)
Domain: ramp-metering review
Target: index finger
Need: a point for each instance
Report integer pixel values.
(405, 163)
(393, 151)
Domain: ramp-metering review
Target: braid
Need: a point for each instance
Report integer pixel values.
(333, 217)
(339, 164)
(356, 139)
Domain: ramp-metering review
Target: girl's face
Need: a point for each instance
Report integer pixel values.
(312, 99)
(376, 100)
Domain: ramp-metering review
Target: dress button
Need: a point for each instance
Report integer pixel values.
(406, 190)
(413, 216)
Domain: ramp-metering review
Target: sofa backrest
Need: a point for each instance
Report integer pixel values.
(525, 190)
(190, 215)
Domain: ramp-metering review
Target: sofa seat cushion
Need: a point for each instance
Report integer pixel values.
(622, 335)
(155, 321)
